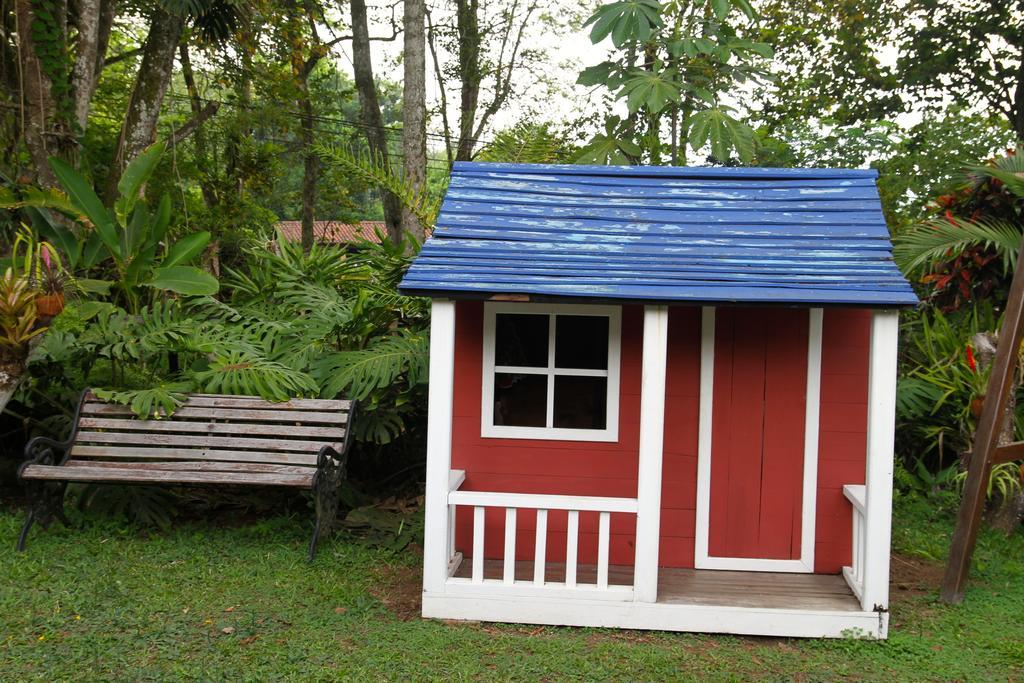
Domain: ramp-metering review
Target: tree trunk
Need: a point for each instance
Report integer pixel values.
(201, 147)
(84, 75)
(139, 128)
(469, 74)
(310, 170)
(414, 108)
(369, 110)
(42, 132)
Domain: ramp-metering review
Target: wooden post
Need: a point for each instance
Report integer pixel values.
(439, 445)
(882, 371)
(985, 451)
(652, 431)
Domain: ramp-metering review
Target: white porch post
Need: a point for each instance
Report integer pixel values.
(652, 429)
(439, 444)
(881, 431)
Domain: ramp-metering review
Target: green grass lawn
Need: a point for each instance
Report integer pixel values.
(207, 602)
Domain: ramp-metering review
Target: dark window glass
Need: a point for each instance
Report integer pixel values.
(520, 400)
(581, 341)
(521, 340)
(581, 402)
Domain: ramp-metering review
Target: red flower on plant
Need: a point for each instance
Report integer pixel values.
(970, 359)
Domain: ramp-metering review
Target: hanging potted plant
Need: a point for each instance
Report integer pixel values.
(52, 279)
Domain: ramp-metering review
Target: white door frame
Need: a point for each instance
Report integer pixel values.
(702, 560)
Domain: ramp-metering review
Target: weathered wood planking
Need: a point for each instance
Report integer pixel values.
(262, 429)
(219, 455)
(697, 201)
(765, 590)
(150, 438)
(684, 190)
(132, 475)
(229, 400)
(213, 413)
(200, 466)
(705, 229)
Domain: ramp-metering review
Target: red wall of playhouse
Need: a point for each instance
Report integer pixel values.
(610, 469)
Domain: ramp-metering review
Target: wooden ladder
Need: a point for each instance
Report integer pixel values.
(986, 451)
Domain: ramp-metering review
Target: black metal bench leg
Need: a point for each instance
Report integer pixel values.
(29, 521)
(316, 537)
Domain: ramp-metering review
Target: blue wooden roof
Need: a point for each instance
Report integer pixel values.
(672, 234)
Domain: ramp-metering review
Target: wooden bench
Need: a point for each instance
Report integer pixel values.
(210, 439)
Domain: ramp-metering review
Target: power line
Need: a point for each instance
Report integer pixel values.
(324, 119)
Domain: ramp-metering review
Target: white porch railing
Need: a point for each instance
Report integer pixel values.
(512, 503)
(854, 574)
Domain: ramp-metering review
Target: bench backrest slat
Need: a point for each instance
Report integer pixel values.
(246, 415)
(196, 427)
(226, 401)
(150, 438)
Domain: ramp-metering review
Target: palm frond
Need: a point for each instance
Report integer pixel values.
(237, 372)
(374, 172)
(357, 373)
(923, 244)
(153, 402)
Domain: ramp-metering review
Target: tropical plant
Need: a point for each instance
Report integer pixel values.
(527, 143)
(673, 63)
(372, 171)
(325, 323)
(128, 235)
(1004, 481)
(968, 250)
(17, 320)
(937, 396)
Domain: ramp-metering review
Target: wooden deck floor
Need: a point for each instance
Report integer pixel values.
(708, 587)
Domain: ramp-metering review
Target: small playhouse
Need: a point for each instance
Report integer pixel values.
(661, 398)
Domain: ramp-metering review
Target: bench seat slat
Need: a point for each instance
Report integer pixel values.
(205, 454)
(150, 438)
(225, 401)
(124, 474)
(188, 411)
(173, 425)
(200, 466)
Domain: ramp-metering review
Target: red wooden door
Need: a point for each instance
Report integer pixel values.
(757, 436)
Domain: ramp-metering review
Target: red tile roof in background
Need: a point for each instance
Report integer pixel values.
(334, 232)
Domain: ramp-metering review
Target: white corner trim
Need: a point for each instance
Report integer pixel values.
(881, 427)
(812, 422)
(440, 394)
(702, 557)
(652, 434)
(704, 422)
(611, 431)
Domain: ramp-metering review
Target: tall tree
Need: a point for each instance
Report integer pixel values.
(370, 114)
(59, 54)
(674, 64)
(214, 21)
(966, 52)
(414, 107)
(138, 130)
(489, 50)
(834, 59)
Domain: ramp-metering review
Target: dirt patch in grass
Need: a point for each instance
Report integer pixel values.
(399, 588)
(914, 575)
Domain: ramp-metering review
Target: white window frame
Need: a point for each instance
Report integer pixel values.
(611, 431)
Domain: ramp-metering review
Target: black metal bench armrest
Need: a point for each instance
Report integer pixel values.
(40, 449)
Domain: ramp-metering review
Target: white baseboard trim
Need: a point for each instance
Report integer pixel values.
(658, 616)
